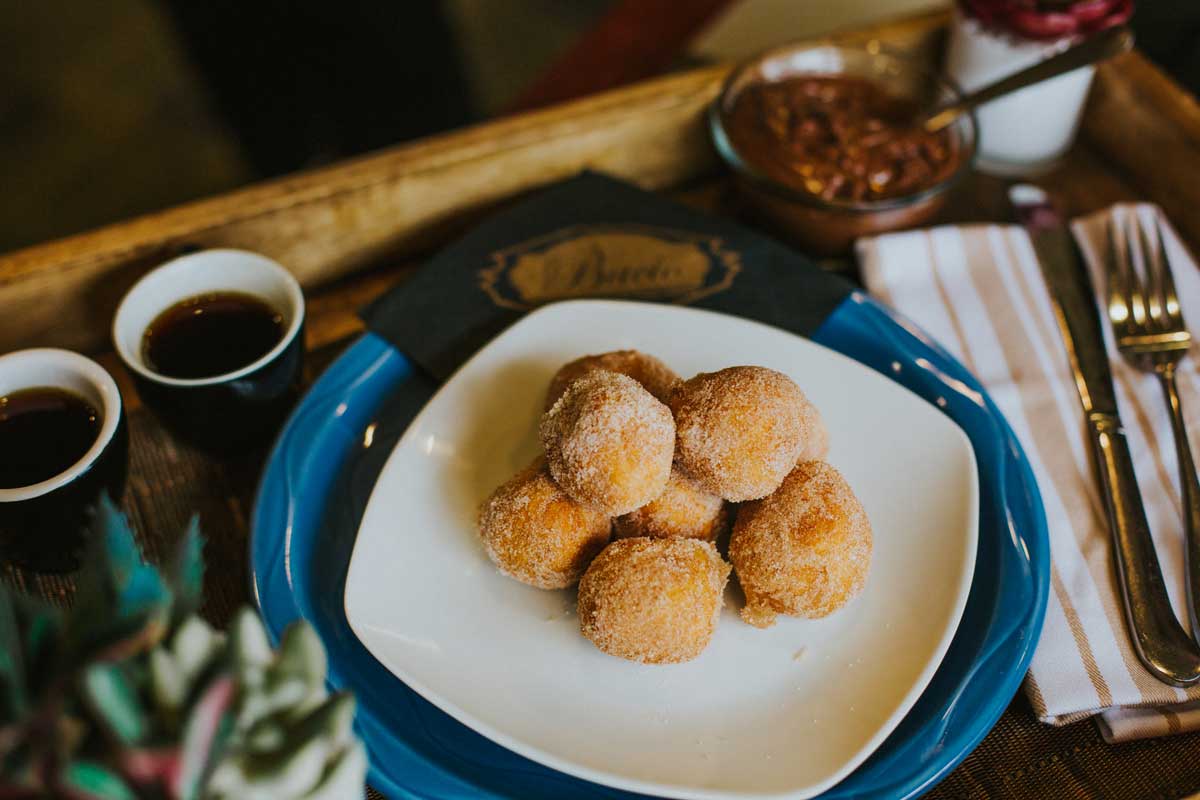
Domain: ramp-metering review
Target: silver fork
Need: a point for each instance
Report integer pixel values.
(1149, 328)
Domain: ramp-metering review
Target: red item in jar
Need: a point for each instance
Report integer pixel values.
(1048, 20)
(839, 138)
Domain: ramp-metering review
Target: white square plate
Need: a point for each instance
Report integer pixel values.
(785, 712)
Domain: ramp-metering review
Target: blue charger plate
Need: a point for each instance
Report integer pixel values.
(320, 474)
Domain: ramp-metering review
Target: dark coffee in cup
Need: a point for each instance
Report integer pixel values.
(43, 431)
(214, 341)
(211, 334)
(63, 445)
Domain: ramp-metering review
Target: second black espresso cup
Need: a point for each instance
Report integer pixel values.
(63, 444)
(215, 342)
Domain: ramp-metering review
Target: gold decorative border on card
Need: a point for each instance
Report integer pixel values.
(609, 260)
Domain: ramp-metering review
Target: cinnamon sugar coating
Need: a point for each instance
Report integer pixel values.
(682, 511)
(535, 533)
(654, 376)
(804, 550)
(655, 601)
(609, 443)
(739, 431)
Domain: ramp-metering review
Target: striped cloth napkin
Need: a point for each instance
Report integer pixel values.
(978, 290)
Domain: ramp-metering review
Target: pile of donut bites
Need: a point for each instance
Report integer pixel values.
(638, 482)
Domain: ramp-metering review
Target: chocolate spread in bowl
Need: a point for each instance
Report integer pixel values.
(842, 139)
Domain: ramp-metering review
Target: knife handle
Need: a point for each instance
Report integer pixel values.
(1162, 644)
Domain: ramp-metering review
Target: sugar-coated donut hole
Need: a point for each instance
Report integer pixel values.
(533, 532)
(804, 550)
(654, 376)
(609, 443)
(655, 601)
(740, 430)
(684, 510)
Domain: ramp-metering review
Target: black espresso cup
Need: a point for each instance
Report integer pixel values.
(243, 403)
(64, 429)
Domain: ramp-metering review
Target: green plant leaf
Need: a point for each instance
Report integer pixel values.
(120, 599)
(290, 739)
(113, 700)
(205, 735)
(301, 654)
(30, 634)
(112, 554)
(13, 698)
(194, 644)
(117, 593)
(138, 586)
(288, 772)
(90, 780)
(168, 684)
(174, 667)
(185, 571)
(43, 627)
(275, 695)
(333, 722)
(248, 642)
(343, 779)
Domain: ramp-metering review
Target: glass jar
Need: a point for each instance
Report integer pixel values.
(1027, 132)
(830, 226)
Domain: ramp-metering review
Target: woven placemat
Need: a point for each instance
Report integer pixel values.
(1020, 758)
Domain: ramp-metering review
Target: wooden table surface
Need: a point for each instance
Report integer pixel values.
(352, 231)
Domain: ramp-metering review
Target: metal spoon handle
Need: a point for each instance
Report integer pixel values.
(1103, 45)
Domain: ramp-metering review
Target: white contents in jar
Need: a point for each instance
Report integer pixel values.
(1028, 131)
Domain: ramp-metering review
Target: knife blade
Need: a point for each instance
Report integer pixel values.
(1162, 645)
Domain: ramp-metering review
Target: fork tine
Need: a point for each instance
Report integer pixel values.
(1118, 288)
(1135, 294)
(1152, 287)
(1173, 314)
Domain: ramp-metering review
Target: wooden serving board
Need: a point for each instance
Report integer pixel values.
(347, 230)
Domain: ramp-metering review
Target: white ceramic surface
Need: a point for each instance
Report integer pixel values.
(63, 369)
(1027, 132)
(784, 712)
(221, 270)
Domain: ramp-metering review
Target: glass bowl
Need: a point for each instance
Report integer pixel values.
(829, 227)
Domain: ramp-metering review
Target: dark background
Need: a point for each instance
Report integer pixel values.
(109, 109)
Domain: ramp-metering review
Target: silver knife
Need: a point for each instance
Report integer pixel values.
(1162, 644)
